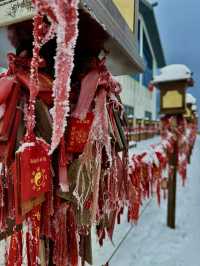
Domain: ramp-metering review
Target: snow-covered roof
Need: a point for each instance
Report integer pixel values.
(190, 99)
(194, 107)
(173, 73)
(131, 116)
(140, 117)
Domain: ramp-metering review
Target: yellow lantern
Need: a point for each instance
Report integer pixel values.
(173, 82)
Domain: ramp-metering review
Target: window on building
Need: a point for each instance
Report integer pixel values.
(138, 32)
(136, 77)
(129, 110)
(148, 59)
(148, 115)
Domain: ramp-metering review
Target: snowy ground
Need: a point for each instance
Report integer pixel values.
(151, 243)
(143, 145)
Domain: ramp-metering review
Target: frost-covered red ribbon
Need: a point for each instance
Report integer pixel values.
(146, 169)
(92, 155)
(34, 83)
(99, 137)
(89, 86)
(64, 19)
(14, 252)
(99, 76)
(65, 250)
(182, 132)
(63, 178)
(146, 173)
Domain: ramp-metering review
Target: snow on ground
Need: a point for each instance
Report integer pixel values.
(144, 145)
(151, 242)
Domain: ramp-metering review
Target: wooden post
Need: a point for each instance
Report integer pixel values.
(139, 136)
(171, 210)
(190, 154)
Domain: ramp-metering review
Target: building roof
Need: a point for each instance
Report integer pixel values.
(123, 58)
(121, 43)
(147, 12)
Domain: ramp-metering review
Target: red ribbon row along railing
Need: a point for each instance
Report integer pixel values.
(55, 187)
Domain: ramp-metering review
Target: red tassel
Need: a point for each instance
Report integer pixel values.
(33, 236)
(65, 250)
(158, 192)
(2, 200)
(136, 211)
(72, 238)
(14, 256)
(111, 227)
(47, 214)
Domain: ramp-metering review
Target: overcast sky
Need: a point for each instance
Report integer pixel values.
(179, 24)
